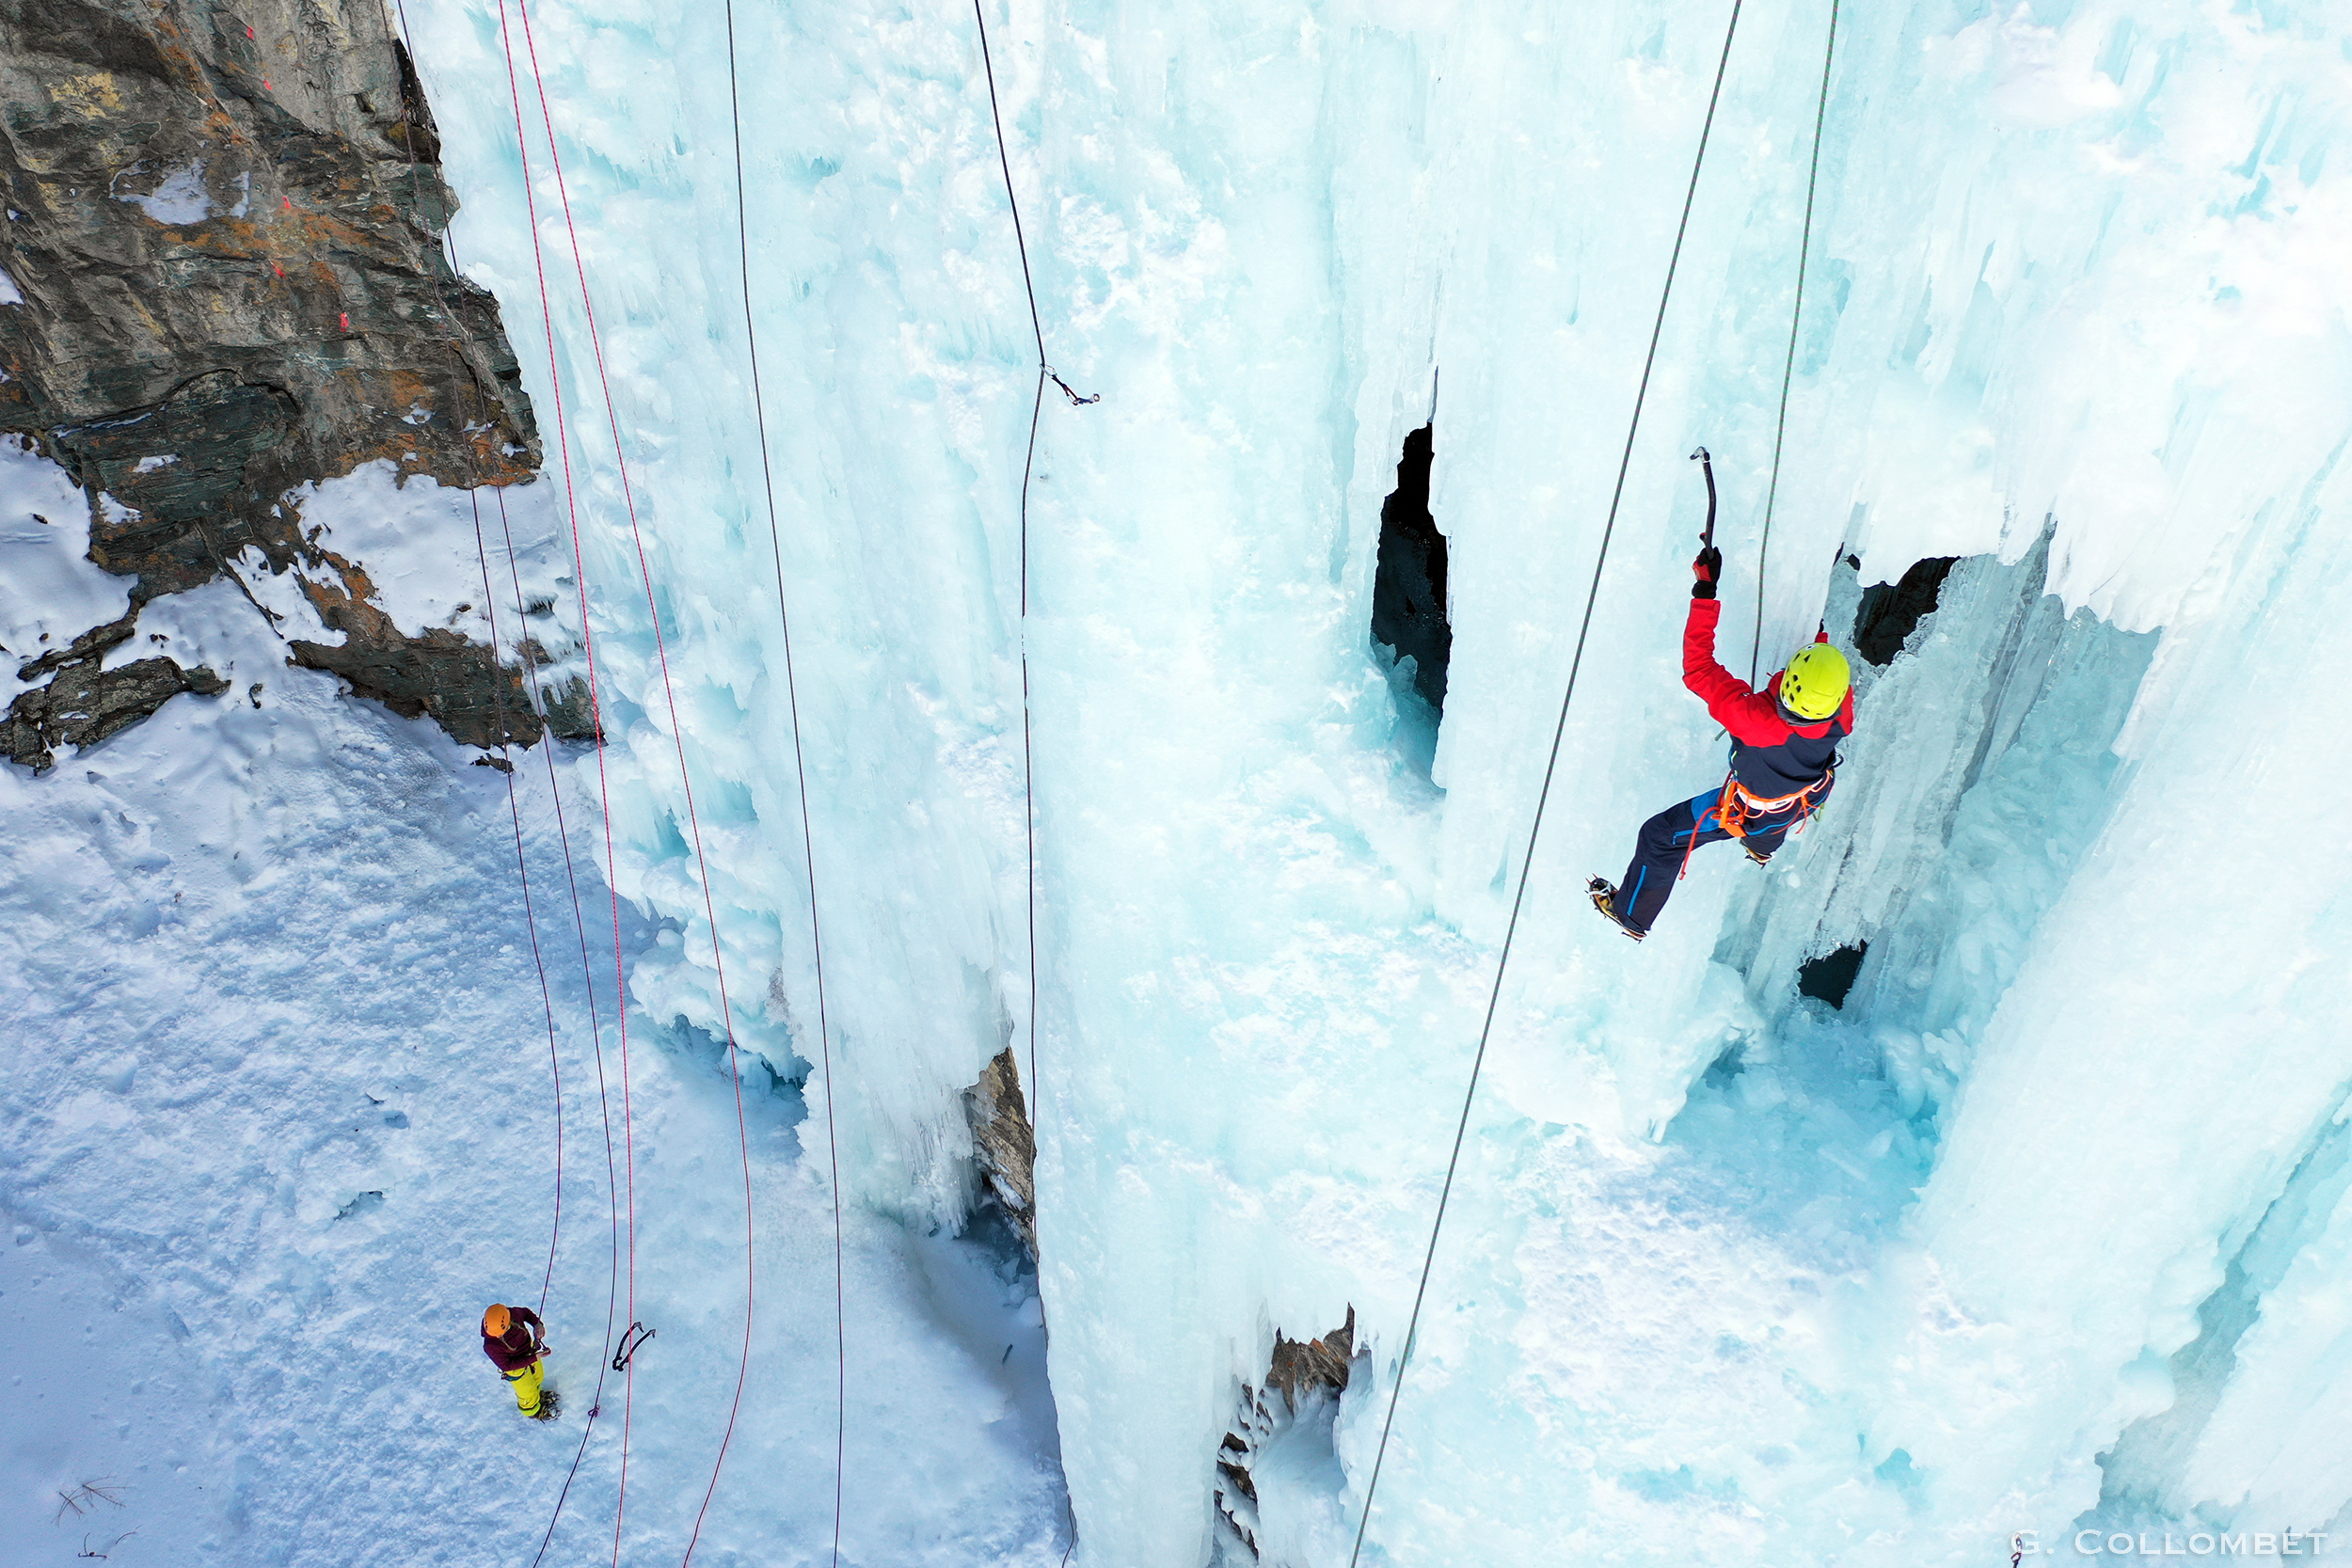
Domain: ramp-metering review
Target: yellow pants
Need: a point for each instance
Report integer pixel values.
(527, 1385)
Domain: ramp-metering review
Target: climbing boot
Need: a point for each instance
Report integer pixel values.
(1605, 901)
(551, 1405)
(1760, 856)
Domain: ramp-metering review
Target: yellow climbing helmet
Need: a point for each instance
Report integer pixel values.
(1814, 682)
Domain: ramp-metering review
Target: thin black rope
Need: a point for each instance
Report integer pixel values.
(1028, 462)
(522, 869)
(1788, 365)
(596, 1036)
(808, 839)
(1542, 796)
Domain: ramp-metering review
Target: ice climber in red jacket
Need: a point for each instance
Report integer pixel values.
(1783, 758)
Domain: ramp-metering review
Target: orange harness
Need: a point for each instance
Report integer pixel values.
(1735, 806)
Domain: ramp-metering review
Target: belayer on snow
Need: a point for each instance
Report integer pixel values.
(1784, 752)
(516, 1341)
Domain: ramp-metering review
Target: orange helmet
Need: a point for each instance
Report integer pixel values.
(495, 1322)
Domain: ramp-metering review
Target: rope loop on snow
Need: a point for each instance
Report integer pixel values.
(1542, 796)
(1788, 364)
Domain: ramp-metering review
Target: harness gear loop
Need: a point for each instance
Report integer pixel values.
(629, 1347)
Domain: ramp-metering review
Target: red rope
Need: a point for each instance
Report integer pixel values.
(498, 698)
(579, 579)
(580, 924)
(677, 735)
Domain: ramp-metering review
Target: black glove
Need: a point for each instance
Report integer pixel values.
(1705, 568)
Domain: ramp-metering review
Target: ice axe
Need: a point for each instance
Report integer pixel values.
(1706, 467)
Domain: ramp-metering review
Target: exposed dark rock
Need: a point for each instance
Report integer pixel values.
(226, 226)
(1409, 605)
(438, 674)
(84, 705)
(200, 192)
(1300, 1366)
(185, 524)
(1002, 1144)
(1889, 613)
(90, 644)
(570, 714)
(1300, 1371)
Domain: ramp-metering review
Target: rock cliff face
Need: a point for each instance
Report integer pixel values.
(1003, 1145)
(222, 237)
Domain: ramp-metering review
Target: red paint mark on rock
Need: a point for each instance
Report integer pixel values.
(346, 321)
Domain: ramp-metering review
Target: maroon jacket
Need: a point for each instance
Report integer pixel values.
(519, 1346)
(1770, 754)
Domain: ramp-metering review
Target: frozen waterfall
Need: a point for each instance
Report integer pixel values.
(2039, 1232)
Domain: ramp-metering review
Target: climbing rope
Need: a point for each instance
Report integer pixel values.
(677, 735)
(808, 841)
(498, 701)
(595, 719)
(522, 868)
(612, 1282)
(1542, 796)
(1028, 461)
(1788, 364)
(580, 924)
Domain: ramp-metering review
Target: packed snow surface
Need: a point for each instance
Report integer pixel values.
(2041, 1236)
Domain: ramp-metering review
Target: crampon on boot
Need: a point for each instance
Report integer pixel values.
(551, 1405)
(1605, 901)
(1750, 850)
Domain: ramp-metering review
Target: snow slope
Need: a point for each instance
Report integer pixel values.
(1727, 1276)
(280, 1121)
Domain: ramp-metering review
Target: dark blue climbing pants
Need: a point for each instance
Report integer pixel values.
(1666, 842)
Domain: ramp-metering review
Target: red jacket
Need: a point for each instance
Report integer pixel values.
(520, 1345)
(1769, 755)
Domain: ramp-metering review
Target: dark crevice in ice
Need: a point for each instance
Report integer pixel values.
(1830, 977)
(1891, 612)
(1408, 603)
